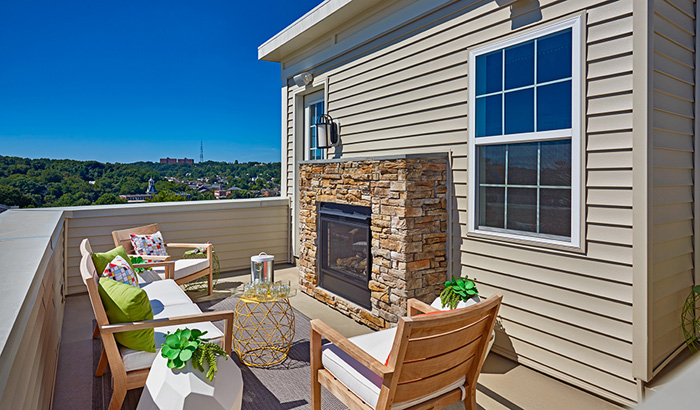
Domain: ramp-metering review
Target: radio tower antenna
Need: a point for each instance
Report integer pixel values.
(201, 151)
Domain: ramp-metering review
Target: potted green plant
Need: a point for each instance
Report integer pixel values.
(187, 345)
(458, 293)
(201, 283)
(690, 319)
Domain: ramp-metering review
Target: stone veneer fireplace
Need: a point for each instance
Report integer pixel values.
(406, 201)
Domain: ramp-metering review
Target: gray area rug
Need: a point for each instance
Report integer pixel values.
(284, 386)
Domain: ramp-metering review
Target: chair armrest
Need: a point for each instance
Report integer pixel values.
(152, 257)
(226, 315)
(377, 367)
(168, 265)
(188, 245)
(415, 306)
(153, 264)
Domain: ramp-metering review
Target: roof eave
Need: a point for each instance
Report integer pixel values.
(320, 20)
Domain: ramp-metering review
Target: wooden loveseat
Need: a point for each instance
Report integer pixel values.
(172, 308)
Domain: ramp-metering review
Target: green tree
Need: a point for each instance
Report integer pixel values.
(107, 199)
(167, 196)
(12, 196)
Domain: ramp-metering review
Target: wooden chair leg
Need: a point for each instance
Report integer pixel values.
(118, 396)
(210, 290)
(315, 347)
(102, 366)
(470, 400)
(96, 332)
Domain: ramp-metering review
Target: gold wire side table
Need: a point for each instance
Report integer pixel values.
(263, 330)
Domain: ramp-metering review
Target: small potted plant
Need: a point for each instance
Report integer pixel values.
(458, 293)
(187, 345)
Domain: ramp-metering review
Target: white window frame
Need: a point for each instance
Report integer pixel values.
(309, 100)
(574, 133)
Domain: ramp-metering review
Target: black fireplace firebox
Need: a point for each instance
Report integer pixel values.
(344, 256)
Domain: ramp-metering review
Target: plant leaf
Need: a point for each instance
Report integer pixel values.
(173, 341)
(185, 355)
(469, 285)
(186, 334)
(179, 364)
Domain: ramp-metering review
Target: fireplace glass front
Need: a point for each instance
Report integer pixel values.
(344, 251)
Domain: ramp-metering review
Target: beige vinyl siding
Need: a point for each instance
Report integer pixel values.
(237, 228)
(671, 274)
(567, 314)
(28, 374)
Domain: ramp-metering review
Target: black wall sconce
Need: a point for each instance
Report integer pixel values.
(327, 131)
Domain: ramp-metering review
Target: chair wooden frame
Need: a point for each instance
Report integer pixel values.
(123, 238)
(429, 353)
(121, 379)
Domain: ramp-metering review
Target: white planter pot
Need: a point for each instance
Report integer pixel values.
(189, 388)
(437, 304)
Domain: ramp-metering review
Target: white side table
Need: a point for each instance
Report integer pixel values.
(188, 388)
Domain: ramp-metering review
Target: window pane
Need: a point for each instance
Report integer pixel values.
(520, 111)
(554, 56)
(489, 73)
(488, 116)
(520, 65)
(522, 164)
(555, 163)
(554, 106)
(491, 202)
(555, 211)
(522, 209)
(492, 164)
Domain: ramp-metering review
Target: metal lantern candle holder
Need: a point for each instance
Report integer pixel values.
(327, 131)
(262, 268)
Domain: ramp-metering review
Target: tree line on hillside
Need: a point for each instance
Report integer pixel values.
(44, 182)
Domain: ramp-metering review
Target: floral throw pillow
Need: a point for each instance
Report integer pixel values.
(120, 271)
(148, 244)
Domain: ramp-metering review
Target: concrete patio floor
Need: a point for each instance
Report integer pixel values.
(503, 384)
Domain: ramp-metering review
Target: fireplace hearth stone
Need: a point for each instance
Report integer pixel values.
(407, 196)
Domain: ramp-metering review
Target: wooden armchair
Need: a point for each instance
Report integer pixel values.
(172, 309)
(185, 270)
(433, 360)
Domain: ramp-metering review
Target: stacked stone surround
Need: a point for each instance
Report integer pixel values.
(408, 198)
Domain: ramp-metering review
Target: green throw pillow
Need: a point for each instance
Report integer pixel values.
(126, 303)
(102, 259)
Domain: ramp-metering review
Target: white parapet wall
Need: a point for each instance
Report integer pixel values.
(31, 306)
(238, 228)
(39, 259)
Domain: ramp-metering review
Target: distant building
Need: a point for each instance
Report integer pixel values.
(133, 198)
(151, 187)
(176, 161)
(222, 194)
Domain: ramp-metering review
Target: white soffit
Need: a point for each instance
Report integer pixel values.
(321, 19)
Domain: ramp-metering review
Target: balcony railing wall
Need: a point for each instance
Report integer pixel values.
(31, 302)
(237, 228)
(39, 266)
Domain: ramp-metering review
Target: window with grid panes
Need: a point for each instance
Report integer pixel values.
(524, 136)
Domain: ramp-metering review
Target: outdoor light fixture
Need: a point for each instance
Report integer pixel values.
(327, 131)
(303, 79)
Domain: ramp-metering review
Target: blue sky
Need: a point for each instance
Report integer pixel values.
(126, 80)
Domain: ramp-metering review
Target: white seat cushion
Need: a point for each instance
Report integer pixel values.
(185, 267)
(360, 380)
(137, 359)
(164, 293)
